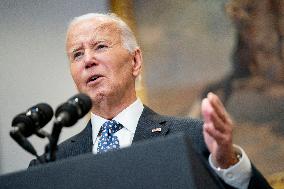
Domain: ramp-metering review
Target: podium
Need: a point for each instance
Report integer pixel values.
(166, 162)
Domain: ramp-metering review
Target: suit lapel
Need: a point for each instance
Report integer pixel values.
(150, 125)
(82, 143)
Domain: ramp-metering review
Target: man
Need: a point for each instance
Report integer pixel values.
(105, 60)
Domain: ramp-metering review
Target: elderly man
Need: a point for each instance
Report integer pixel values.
(105, 60)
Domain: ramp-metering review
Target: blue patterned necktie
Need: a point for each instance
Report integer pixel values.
(108, 141)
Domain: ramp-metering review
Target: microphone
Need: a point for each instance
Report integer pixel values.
(33, 119)
(67, 114)
(29, 123)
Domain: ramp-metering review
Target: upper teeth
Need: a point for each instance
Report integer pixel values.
(94, 78)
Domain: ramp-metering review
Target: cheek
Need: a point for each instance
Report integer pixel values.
(75, 73)
(124, 74)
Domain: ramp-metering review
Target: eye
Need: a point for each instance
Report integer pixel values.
(77, 55)
(101, 46)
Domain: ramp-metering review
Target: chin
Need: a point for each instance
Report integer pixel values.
(97, 97)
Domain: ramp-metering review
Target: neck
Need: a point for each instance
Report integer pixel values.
(109, 108)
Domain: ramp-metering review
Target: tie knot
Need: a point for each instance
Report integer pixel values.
(111, 126)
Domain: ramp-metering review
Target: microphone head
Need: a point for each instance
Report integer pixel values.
(33, 119)
(72, 110)
(67, 114)
(82, 102)
(24, 123)
(42, 113)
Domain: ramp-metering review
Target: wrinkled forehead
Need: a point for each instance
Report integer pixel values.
(93, 29)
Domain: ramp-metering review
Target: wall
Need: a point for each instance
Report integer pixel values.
(34, 66)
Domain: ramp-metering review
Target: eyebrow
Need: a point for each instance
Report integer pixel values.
(95, 42)
(73, 50)
(92, 42)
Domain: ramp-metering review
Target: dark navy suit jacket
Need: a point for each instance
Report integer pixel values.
(82, 142)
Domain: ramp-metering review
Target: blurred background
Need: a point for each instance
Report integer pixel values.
(234, 48)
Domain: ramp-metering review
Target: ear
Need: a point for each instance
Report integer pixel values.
(137, 62)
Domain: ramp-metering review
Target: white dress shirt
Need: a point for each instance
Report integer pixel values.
(129, 118)
(237, 175)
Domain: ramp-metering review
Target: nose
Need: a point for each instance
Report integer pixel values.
(89, 59)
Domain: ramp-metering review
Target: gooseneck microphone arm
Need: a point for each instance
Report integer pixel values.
(52, 147)
(23, 142)
(66, 115)
(58, 124)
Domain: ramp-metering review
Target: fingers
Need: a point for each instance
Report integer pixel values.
(214, 113)
(206, 110)
(219, 137)
(210, 115)
(219, 107)
(210, 129)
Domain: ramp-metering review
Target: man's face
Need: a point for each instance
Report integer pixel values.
(100, 66)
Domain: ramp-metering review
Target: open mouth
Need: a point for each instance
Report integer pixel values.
(94, 78)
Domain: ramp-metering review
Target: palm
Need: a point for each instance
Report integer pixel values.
(217, 130)
(210, 142)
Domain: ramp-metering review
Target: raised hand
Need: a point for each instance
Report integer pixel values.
(217, 131)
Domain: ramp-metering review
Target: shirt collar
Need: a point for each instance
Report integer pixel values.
(128, 117)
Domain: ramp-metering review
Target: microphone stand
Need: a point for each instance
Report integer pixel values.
(51, 148)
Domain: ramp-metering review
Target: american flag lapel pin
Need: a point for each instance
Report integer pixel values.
(159, 129)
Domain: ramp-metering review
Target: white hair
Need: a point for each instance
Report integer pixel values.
(128, 39)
